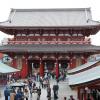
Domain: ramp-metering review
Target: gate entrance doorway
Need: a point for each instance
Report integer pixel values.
(63, 65)
(49, 65)
(33, 67)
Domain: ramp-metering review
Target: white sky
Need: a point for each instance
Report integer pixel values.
(6, 5)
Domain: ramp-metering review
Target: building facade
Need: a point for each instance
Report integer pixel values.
(51, 40)
(85, 79)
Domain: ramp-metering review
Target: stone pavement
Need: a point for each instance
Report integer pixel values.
(64, 90)
(1, 93)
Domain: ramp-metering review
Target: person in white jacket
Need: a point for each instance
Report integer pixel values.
(26, 94)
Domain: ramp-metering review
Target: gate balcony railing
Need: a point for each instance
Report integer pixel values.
(46, 42)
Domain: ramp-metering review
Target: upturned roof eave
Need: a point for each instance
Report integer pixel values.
(71, 26)
(86, 77)
(45, 51)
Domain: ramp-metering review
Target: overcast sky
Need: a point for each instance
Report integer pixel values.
(6, 5)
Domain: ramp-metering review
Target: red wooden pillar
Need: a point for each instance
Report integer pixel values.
(85, 57)
(57, 69)
(72, 62)
(41, 68)
(83, 60)
(85, 96)
(24, 70)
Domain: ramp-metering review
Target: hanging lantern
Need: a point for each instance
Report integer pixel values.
(30, 57)
(15, 57)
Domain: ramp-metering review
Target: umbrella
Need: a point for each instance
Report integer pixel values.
(18, 84)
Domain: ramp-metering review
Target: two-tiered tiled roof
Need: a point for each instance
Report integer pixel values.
(70, 17)
(62, 18)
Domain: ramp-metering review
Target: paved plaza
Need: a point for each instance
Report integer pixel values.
(64, 91)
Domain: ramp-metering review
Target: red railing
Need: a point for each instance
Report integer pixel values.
(14, 41)
(47, 38)
(47, 42)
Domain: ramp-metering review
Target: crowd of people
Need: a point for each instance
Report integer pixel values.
(24, 92)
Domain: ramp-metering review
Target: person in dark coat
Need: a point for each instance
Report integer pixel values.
(34, 85)
(6, 93)
(65, 98)
(55, 90)
(18, 95)
(39, 91)
(41, 82)
(72, 98)
(48, 92)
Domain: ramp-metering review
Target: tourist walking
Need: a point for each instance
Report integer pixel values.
(41, 82)
(6, 93)
(71, 98)
(34, 85)
(65, 98)
(26, 94)
(38, 93)
(48, 92)
(55, 90)
(18, 95)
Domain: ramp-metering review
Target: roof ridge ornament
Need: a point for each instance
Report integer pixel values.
(12, 15)
(93, 21)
